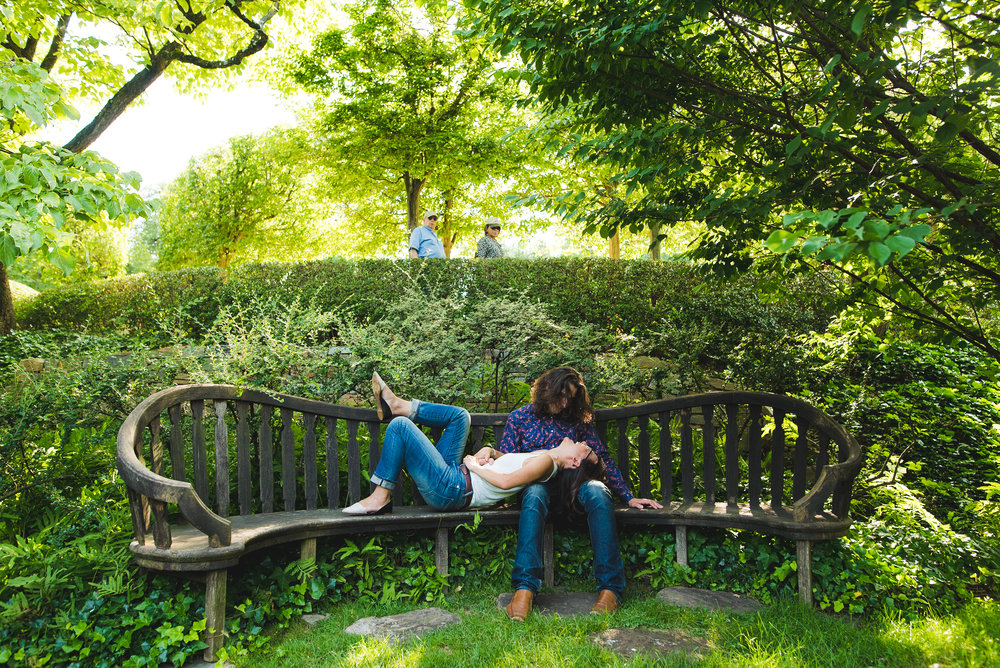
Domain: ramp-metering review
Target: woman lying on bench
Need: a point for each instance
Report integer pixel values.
(444, 480)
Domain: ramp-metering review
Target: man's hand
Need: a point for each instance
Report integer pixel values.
(643, 503)
(472, 462)
(483, 455)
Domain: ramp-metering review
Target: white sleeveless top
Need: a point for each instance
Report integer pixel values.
(485, 494)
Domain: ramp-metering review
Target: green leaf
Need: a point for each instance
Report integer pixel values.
(946, 133)
(858, 23)
(793, 146)
(900, 244)
(879, 252)
(781, 241)
(813, 244)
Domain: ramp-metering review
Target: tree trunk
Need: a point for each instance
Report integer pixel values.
(614, 247)
(447, 236)
(654, 242)
(6, 303)
(120, 101)
(413, 188)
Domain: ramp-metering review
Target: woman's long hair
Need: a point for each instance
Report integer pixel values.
(566, 506)
(553, 386)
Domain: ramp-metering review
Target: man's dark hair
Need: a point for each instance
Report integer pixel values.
(559, 383)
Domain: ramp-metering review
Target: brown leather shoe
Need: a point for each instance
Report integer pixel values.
(520, 605)
(606, 602)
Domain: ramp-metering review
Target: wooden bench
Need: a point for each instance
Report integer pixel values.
(233, 471)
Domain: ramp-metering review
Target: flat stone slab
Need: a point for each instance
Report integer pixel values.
(404, 625)
(564, 604)
(630, 642)
(312, 619)
(689, 597)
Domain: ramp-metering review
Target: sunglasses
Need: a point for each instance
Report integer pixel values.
(494, 227)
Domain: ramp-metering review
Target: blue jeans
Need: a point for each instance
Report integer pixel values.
(595, 498)
(432, 466)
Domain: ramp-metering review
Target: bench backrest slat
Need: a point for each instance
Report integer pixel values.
(623, 447)
(353, 463)
(265, 469)
(374, 447)
(244, 483)
(799, 482)
(199, 454)
(287, 460)
(177, 468)
(332, 464)
(666, 458)
(221, 460)
(778, 458)
(732, 454)
(755, 456)
(310, 478)
(645, 482)
(822, 455)
(687, 456)
(708, 452)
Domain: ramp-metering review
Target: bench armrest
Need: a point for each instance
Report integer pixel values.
(140, 480)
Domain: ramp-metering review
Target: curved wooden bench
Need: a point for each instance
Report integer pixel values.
(276, 452)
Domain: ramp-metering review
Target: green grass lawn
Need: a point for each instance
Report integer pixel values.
(784, 634)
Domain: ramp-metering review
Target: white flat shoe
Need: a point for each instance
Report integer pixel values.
(358, 509)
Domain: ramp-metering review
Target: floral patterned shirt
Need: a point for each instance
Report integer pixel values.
(525, 432)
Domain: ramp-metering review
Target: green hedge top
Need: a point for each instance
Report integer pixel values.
(614, 295)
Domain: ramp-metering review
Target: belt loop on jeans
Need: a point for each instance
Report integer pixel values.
(468, 485)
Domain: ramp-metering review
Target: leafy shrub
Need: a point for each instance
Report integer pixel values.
(614, 296)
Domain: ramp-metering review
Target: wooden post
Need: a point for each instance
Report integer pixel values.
(441, 551)
(548, 555)
(215, 613)
(307, 550)
(803, 559)
(681, 538)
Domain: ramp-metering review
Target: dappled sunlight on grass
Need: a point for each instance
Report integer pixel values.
(371, 652)
(971, 637)
(785, 635)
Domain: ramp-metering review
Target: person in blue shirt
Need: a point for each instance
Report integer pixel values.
(423, 241)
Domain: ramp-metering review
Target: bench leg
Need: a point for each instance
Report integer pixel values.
(681, 541)
(307, 550)
(441, 551)
(215, 613)
(803, 561)
(548, 556)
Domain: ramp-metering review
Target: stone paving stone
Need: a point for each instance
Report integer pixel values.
(564, 604)
(689, 597)
(654, 644)
(311, 620)
(404, 625)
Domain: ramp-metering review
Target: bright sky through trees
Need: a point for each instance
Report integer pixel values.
(159, 138)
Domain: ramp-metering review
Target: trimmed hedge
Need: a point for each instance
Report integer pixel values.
(616, 296)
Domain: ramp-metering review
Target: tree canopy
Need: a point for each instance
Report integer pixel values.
(404, 104)
(246, 201)
(854, 136)
(48, 192)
